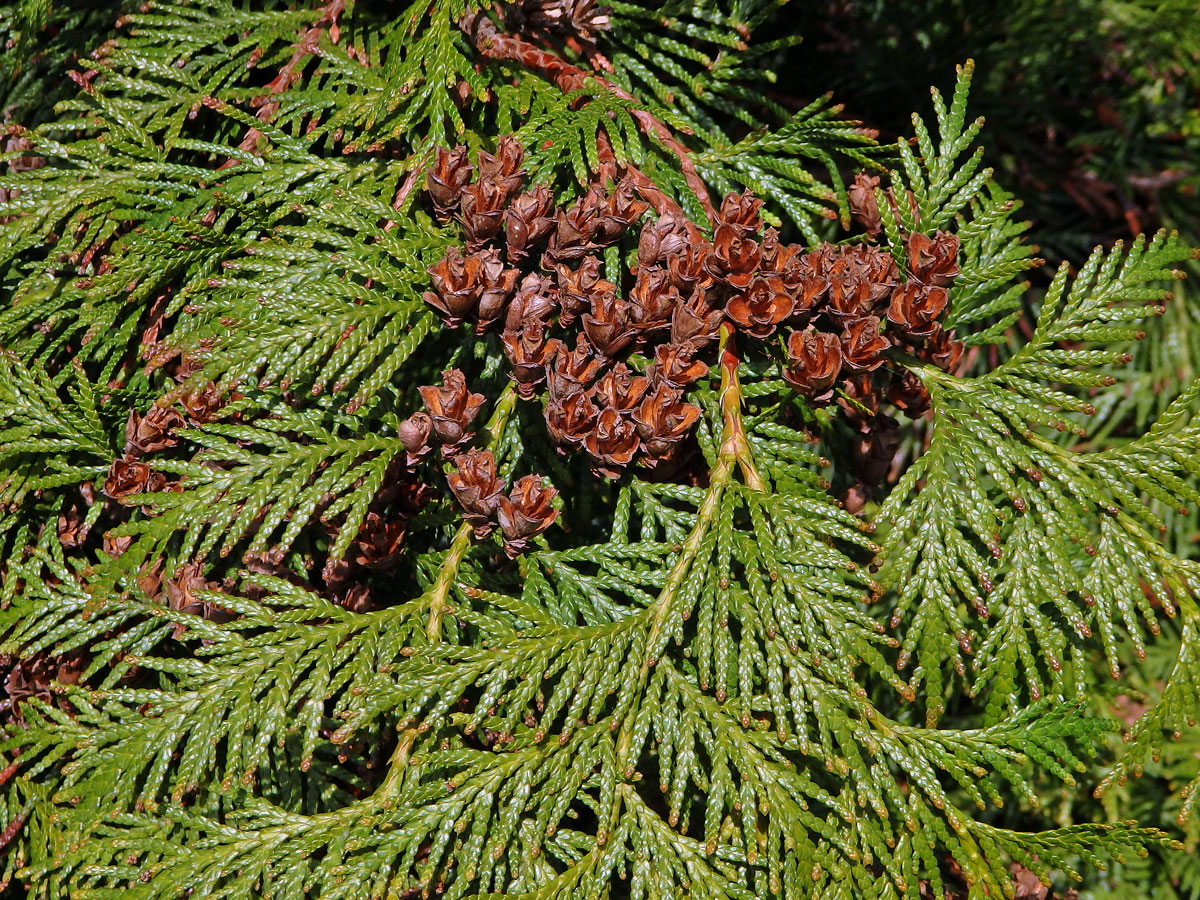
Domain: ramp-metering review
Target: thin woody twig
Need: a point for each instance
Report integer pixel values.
(494, 44)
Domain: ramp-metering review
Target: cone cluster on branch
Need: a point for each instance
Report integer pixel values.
(522, 513)
(536, 274)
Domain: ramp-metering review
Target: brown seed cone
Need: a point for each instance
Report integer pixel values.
(613, 443)
(153, 431)
(850, 292)
(607, 325)
(576, 229)
(622, 210)
(533, 304)
(942, 350)
(504, 169)
(526, 350)
(663, 420)
(571, 371)
(874, 448)
(445, 182)
(915, 308)
(482, 211)
(813, 286)
(529, 220)
(128, 476)
(414, 433)
(576, 287)
(741, 211)
(879, 269)
(761, 307)
(475, 286)
(734, 257)
(675, 365)
(863, 347)
(933, 259)
(863, 206)
(477, 489)
(696, 323)
(203, 404)
(379, 543)
(909, 394)
(452, 407)
(571, 417)
(688, 268)
(859, 397)
(663, 238)
(815, 361)
(525, 513)
(584, 18)
(652, 301)
(620, 389)
(183, 590)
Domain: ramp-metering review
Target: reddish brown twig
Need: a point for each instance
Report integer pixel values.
(494, 44)
(306, 46)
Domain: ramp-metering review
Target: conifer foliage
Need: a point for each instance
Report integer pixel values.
(470, 451)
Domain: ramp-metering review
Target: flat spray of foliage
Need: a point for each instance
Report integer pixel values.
(289, 613)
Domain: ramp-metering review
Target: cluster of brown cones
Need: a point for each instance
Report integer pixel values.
(535, 273)
(532, 270)
(521, 514)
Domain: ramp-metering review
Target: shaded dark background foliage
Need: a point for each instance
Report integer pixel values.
(1093, 121)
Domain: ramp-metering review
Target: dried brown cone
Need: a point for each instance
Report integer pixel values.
(942, 349)
(663, 238)
(482, 212)
(477, 489)
(620, 389)
(153, 431)
(525, 513)
(528, 221)
(915, 309)
(850, 291)
(675, 365)
(652, 301)
(203, 403)
(863, 205)
(183, 591)
(575, 288)
(612, 443)
(741, 211)
(761, 307)
(526, 351)
(663, 420)
(814, 363)
(696, 323)
(476, 286)
(909, 394)
(533, 304)
(571, 417)
(452, 407)
(571, 371)
(576, 230)
(863, 347)
(734, 257)
(127, 477)
(622, 210)
(415, 433)
(933, 259)
(504, 168)
(379, 542)
(608, 325)
(582, 18)
(451, 173)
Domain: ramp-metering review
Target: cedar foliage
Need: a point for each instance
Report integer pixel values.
(549, 517)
